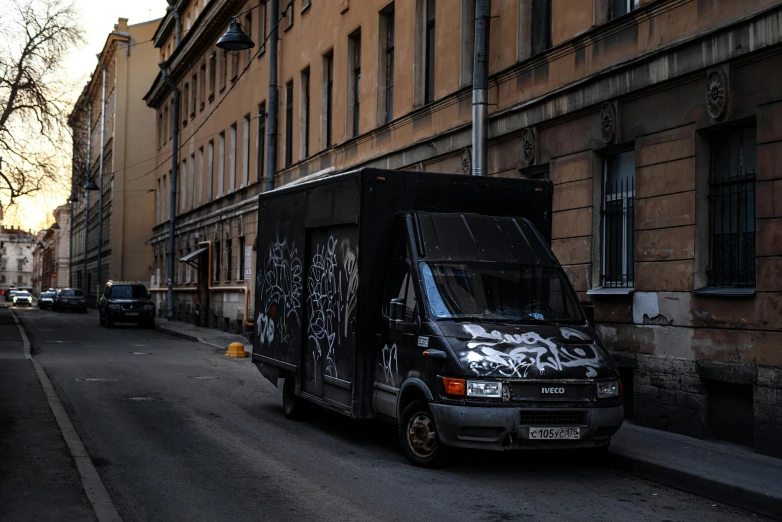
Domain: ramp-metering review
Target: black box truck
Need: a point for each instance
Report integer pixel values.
(432, 301)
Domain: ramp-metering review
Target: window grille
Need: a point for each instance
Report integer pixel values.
(618, 223)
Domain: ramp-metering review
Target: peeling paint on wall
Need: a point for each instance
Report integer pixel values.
(645, 304)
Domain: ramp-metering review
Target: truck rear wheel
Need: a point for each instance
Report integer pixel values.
(418, 436)
(292, 404)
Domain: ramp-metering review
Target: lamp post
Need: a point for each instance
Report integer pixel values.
(71, 201)
(89, 187)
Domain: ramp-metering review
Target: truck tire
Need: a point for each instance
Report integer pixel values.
(418, 437)
(293, 405)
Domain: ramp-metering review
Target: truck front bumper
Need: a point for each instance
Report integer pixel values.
(501, 428)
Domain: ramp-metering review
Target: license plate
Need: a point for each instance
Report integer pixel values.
(555, 433)
(131, 314)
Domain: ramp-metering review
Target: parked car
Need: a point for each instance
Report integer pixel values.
(46, 300)
(22, 298)
(70, 299)
(9, 295)
(126, 302)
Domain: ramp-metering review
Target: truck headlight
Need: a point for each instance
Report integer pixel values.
(484, 389)
(607, 389)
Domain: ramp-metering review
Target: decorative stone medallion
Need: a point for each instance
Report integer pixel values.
(608, 122)
(529, 145)
(466, 161)
(717, 93)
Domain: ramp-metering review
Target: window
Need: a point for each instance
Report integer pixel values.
(241, 259)
(354, 84)
(430, 45)
(182, 184)
(541, 25)
(248, 26)
(732, 208)
(288, 14)
(223, 68)
(187, 22)
(234, 66)
(212, 74)
(164, 200)
(217, 255)
(202, 85)
(305, 4)
(186, 104)
(386, 68)
(173, 123)
(262, 26)
(20, 264)
(468, 42)
(399, 285)
(159, 202)
(192, 181)
(220, 164)
(194, 83)
(328, 78)
(160, 130)
(289, 123)
(195, 11)
(246, 151)
(200, 199)
(618, 222)
(304, 124)
(260, 141)
(210, 160)
(622, 7)
(228, 259)
(3, 264)
(2, 279)
(165, 125)
(19, 280)
(232, 159)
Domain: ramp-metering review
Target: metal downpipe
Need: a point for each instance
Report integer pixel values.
(87, 199)
(173, 193)
(480, 90)
(271, 141)
(100, 167)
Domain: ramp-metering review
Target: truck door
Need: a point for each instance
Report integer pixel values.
(330, 297)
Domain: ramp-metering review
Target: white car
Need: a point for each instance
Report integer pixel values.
(23, 298)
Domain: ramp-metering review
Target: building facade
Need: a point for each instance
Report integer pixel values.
(126, 205)
(16, 258)
(656, 120)
(51, 257)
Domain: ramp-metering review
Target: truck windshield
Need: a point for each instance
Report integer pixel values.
(499, 292)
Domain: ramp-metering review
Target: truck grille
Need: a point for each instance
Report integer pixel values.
(554, 418)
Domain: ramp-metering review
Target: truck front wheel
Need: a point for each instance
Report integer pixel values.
(292, 404)
(418, 436)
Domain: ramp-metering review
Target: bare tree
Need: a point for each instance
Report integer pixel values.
(36, 36)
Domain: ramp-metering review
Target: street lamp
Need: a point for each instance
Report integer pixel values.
(89, 187)
(235, 39)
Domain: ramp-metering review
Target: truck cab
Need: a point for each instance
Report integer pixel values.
(483, 343)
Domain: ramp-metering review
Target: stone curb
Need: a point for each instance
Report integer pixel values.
(190, 337)
(732, 494)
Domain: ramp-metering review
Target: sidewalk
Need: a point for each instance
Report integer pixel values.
(726, 473)
(208, 336)
(38, 478)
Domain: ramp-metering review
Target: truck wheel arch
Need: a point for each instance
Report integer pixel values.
(412, 389)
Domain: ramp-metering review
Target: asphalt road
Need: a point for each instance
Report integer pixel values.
(179, 432)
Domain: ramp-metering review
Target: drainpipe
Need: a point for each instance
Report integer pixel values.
(172, 199)
(87, 197)
(480, 89)
(271, 141)
(102, 158)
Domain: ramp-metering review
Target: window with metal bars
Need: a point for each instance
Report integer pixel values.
(388, 67)
(622, 7)
(618, 225)
(305, 113)
(329, 70)
(541, 26)
(355, 86)
(732, 208)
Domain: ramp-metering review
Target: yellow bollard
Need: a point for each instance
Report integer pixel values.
(236, 350)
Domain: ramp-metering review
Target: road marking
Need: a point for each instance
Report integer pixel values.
(141, 353)
(90, 480)
(143, 398)
(205, 377)
(95, 379)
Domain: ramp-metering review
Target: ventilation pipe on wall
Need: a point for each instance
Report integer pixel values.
(480, 89)
(172, 199)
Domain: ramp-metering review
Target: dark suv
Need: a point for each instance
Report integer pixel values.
(126, 302)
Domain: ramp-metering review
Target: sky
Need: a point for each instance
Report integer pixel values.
(97, 18)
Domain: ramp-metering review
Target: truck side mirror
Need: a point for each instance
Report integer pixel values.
(589, 311)
(396, 310)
